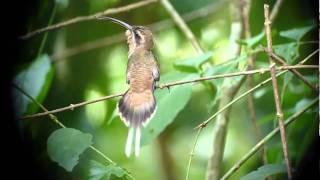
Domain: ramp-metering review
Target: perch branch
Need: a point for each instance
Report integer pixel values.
(72, 106)
(55, 120)
(277, 100)
(182, 25)
(254, 149)
(90, 17)
(167, 85)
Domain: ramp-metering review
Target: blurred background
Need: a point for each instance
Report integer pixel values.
(87, 60)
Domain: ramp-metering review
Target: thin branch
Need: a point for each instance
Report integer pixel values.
(192, 152)
(155, 27)
(55, 120)
(182, 25)
(277, 59)
(166, 85)
(90, 17)
(275, 10)
(277, 100)
(245, 7)
(254, 149)
(72, 106)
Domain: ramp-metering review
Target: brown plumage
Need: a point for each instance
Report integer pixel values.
(138, 104)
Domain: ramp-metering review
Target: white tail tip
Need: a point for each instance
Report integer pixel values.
(129, 142)
(137, 142)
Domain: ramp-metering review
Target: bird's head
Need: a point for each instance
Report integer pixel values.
(138, 37)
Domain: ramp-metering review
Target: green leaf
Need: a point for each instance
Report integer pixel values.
(265, 171)
(296, 33)
(289, 51)
(35, 79)
(99, 171)
(193, 64)
(170, 103)
(66, 144)
(254, 40)
(228, 67)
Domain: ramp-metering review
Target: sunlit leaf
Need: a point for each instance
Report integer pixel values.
(265, 171)
(193, 64)
(99, 171)
(66, 144)
(170, 103)
(35, 79)
(296, 33)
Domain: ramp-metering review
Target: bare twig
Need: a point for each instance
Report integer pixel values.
(90, 17)
(245, 7)
(55, 120)
(275, 10)
(182, 25)
(254, 149)
(277, 100)
(166, 85)
(72, 106)
(192, 152)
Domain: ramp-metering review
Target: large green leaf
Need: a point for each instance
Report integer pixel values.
(35, 79)
(296, 33)
(99, 171)
(193, 64)
(66, 144)
(170, 103)
(265, 171)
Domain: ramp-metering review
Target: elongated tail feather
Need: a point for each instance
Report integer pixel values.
(136, 109)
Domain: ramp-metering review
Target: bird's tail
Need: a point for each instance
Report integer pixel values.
(136, 109)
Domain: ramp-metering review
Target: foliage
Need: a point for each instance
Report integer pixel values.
(99, 69)
(66, 144)
(35, 79)
(265, 171)
(99, 171)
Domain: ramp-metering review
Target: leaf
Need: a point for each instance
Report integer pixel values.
(254, 40)
(296, 33)
(193, 64)
(99, 171)
(289, 51)
(35, 79)
(265, 171)
(228, 67)
(66, 144)
(170, 103)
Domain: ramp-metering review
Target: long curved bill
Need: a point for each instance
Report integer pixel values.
(123, 24)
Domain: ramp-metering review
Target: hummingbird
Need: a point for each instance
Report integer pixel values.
(138, 105)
